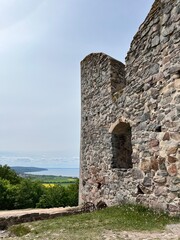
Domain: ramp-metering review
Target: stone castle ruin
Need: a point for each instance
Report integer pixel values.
(130, 126)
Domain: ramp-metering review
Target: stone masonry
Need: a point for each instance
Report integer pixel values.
(130, 128)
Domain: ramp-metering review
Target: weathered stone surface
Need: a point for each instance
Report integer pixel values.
(176, 180)
(175, 68)
(145, 166)
(154, 164)
(177, 99)
(166, 137)
(147, 182)
(162, 166)
(155, 41)
(145, 117)
(154, 93)
(159, 179)
(161, 160)
(154, 143)
(143, 97)
(137, 173)
(165, 18)
(172, 159)
(160, 191)
(172, 170)
(174, 188)
(172, 207)
(172, 150)
(167, 30)
(144, 189)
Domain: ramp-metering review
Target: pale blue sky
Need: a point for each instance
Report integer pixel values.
(41, 45)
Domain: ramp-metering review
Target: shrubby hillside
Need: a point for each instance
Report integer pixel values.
(18, 193)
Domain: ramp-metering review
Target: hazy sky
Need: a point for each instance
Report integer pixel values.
(41, 45)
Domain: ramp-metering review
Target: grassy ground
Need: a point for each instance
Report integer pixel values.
(48, 179)
(92, 225)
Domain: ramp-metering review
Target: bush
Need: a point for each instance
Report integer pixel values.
(28, 194)
(7, 173)
(55, 196)
(18, 193)
(72, 193)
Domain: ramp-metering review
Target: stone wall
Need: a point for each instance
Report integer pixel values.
(137, 109)
(12, 217)
(101, 77)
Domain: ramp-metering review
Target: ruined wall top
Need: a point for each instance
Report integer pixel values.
(157, 37)
(112, 68)
(156, 10)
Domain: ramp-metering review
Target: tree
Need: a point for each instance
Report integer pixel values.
(72, 193)
(3, 190)
(55, 196)
(7, 173)
(28, 194)
(17, 192)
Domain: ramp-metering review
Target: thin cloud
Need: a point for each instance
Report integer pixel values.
(41, 45)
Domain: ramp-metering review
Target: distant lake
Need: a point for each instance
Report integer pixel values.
(67, 172)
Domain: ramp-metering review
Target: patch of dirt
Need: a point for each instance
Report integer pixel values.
(3, 234)
(172, 232)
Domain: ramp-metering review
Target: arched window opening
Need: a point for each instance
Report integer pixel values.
(121, 146)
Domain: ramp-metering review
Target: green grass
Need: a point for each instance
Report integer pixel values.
(92, 225)
(19, 230)
(65, 181)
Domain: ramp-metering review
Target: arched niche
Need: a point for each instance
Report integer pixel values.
(121, 145)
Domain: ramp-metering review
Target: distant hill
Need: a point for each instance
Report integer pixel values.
(22, 170)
